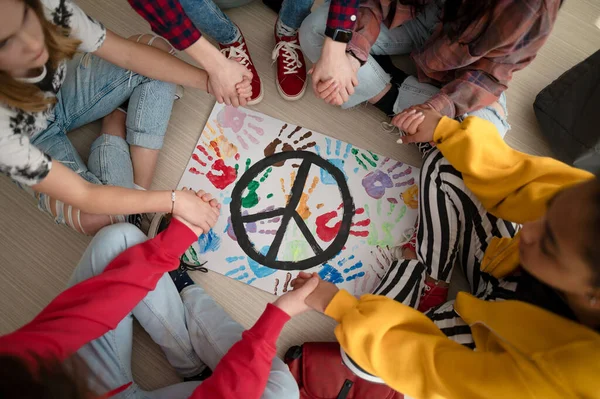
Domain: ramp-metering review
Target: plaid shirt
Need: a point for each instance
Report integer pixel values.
(472, 76)
(167, 18)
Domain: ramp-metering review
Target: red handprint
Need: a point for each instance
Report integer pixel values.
(327, 233)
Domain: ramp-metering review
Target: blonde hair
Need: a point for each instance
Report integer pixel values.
(27, 96)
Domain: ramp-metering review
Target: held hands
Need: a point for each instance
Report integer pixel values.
(321, 292)
(418, 122)
(197, 210)
(334, 76)
(230, 82)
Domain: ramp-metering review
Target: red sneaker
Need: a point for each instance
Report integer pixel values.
(239, 51)
(412, 241)
(432, 296)
(290, 76)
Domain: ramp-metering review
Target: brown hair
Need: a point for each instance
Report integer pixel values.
(51, 380)
(27, 96)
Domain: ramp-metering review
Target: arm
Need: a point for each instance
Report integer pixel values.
(510, 184)
(471, 90)
(409, 352)
(228, 81)
(65, 185)
(150, 62)
(244, 370)
(95, 306)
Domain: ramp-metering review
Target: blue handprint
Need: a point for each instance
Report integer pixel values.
(338, 160)
(339, 273)
(209, 242)
(247, 269)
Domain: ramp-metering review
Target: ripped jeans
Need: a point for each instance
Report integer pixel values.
(92, 89)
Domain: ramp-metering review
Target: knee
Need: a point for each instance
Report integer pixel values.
(116, 238)
(281, 385)
(312, 34)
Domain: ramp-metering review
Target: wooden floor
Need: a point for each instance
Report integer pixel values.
(37, 256)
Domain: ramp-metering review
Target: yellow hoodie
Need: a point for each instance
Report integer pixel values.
(523, 351)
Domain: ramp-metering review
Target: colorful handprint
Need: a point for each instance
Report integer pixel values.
(294, 141)
(328, 224)
(334, 157)
(238, 121)
(389, 174)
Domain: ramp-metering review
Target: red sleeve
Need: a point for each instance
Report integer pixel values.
(95, 306)
(244, 370)
(167, 18)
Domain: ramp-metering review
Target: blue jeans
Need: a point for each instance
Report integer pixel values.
(93, 88)
(192, 330)
(208, 17)
(372, 79)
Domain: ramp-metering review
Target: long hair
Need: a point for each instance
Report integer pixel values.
(27, 96)
(50, 380)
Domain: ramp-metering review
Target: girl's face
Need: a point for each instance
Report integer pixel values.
(552, 248)
(22, 45)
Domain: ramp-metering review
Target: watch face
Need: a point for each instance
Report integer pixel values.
(343, 36)
(339, 35)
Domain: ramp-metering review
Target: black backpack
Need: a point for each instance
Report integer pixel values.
(567, 111)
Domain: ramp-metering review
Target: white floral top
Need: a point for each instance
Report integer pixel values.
(19, 159)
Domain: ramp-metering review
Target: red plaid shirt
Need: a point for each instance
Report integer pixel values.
(167, 18)
(472, 76)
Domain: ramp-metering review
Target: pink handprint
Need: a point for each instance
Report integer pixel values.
(237, 120)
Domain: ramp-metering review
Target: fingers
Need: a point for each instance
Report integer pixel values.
(327, 87)
(215, 204)
(412, 128)
(247, 74)
(227, 101)
(399, 119)
(305, 275)
(309, 286)
(344, 94)
(350, 88)
(311, 70)
(234, 101)
(409, 125)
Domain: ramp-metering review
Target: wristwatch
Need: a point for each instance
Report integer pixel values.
(339, 35)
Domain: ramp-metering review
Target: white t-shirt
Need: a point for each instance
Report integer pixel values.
(19, 159)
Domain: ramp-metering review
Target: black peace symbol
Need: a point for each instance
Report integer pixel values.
(289, 212)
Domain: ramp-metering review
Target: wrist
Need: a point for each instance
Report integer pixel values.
(332, 47)
(205, 54)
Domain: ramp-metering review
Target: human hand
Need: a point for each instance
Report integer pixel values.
(335, 64)
(294, 302)
(199, 215)
(229, 81)
(418, 122)
(207, 197)
(319, 297)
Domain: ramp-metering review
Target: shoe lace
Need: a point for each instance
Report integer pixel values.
(237, 53)
(291, 61)
(392, 129)
(191, 267)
